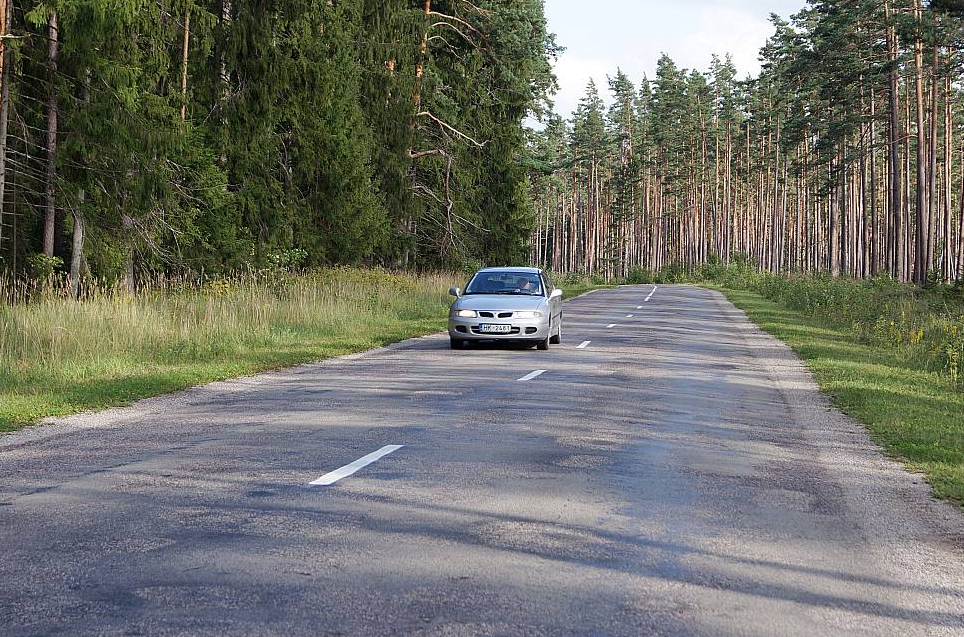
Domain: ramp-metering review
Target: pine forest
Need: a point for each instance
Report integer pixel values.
(844, 156)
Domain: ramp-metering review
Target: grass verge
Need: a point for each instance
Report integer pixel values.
(914, 413)
(59, 357)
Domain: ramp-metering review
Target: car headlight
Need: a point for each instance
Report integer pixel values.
(528, 315)
(465, 313)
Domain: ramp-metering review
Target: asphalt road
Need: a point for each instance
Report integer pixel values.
(678, 475)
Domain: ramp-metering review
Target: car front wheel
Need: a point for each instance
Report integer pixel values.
(456, 343)
(555, 340)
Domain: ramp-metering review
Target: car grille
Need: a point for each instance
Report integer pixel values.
(501, 315)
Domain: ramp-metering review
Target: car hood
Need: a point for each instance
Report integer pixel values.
(499, 302)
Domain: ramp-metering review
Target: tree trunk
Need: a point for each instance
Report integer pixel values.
(776, 263)
(77, 251)
(874, 256)
(80, 223)
(932, 212)
(225, 20)
(948, 231)
(894, 210)
(922, 239)
(419, 75)
(6, 15)
(907, 255)
(50, 203)
(184, 61)
(960, 222)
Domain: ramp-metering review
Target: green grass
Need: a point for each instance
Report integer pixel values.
(916, 414)
(59, 357)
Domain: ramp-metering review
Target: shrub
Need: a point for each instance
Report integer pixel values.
(571, 279)
(42, 267)
(672, 273)
(287, 260)
(639, 276)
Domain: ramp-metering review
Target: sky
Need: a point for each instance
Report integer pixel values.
(603, 35)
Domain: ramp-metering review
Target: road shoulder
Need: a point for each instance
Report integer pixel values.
(899, 512)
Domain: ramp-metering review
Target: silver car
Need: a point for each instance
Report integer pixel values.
(507, 304)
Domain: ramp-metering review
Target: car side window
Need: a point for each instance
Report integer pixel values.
(548, 284)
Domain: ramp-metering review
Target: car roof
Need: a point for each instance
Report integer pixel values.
(508, 269)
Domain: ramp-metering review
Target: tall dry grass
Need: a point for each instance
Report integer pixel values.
(66, 353)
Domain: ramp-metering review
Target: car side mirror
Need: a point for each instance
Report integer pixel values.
(454, 291)
(557, 293)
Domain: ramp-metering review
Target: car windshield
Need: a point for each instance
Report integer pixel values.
(518, 283)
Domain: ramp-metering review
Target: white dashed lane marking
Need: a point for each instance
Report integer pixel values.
(530, 376)
(331, 478)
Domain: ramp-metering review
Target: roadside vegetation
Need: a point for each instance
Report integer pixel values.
(60, 356)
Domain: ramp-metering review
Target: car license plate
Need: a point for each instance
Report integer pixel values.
(495, 329)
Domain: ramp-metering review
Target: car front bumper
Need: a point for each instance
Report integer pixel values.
(522, 329)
